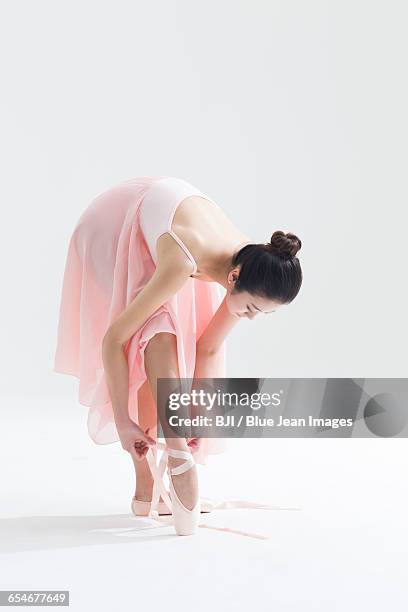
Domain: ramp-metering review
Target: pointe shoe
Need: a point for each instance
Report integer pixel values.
(185, 520)
(142, 508)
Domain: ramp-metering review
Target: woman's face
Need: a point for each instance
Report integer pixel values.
(245, 304)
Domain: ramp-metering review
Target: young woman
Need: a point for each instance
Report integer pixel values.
(140, 301)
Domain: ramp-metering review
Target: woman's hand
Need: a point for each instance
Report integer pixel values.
(194, 444)
(134, 440)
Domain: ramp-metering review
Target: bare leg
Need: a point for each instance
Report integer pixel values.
(147, 418)
(161, 362)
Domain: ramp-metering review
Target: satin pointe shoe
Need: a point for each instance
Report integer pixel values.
(185, 520)
(142, 508)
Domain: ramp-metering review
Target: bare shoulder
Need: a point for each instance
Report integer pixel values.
(171, 256)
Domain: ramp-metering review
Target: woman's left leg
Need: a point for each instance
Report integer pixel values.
(147, 417)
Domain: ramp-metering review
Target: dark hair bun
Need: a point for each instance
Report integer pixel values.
(284, 245)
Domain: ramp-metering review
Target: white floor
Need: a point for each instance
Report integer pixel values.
(66, 523)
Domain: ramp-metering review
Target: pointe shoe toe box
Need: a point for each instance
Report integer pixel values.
(185, 519)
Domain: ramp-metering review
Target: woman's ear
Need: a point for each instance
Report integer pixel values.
(234, 274)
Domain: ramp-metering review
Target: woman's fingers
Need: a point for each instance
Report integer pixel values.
(135, 453)
(194, 444)
(141, 445)
(149, 440)
(141, 451)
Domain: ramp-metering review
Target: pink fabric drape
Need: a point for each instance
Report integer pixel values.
(107, 265)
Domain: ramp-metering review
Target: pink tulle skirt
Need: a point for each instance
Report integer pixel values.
(108, 263)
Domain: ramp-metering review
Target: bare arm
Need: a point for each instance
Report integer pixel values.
(206, 365)
(210, 341)
(207, 358)
(165, 282)
(217, 330)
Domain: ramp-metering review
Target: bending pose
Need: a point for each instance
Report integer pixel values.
(140, 301)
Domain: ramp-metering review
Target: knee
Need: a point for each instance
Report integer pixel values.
(161, 343)
(161, 356)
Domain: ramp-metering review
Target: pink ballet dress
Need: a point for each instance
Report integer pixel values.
(111, 256)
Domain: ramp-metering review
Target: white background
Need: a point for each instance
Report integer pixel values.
(291, 115)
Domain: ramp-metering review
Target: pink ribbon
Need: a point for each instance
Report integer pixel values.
(160, 489)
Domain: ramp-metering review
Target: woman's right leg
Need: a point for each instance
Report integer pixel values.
(161, 362)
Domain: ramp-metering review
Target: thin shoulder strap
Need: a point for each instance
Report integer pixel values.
(185, 249)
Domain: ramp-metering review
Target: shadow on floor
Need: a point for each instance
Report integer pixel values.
(26, 533)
